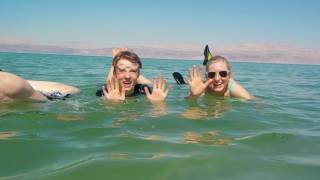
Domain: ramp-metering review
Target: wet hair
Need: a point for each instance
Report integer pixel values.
(218, 58)
(127, 55)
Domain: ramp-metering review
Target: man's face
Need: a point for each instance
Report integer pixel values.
(127, 74)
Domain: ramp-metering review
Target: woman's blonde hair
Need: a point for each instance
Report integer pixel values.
(218, 58)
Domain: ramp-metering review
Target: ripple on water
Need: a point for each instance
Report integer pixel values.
(69, 117)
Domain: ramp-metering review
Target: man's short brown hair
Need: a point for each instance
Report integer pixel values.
(127, 55)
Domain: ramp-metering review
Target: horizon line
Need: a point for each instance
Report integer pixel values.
(245, 52)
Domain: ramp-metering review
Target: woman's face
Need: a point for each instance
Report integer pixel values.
(220, 74)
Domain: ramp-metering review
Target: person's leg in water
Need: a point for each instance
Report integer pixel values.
(14, 88)
(48, 87)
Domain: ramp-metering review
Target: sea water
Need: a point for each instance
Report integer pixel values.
(276, 136)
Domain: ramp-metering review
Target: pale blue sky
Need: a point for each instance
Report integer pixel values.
(142, 22)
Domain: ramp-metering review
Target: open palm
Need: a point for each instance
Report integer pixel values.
(113, 91)
(159, 91)
(196, 84)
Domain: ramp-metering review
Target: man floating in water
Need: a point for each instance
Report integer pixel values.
(124, 80)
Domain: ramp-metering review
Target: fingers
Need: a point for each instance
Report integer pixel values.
(190, 74)
(113, 84)
(104, 91)
(208, 82)
(189, 81)
(123, 49)
(159, 92)
(110, 74)
(159, 83)
(164, 85)
(162, 82)
(109, 85)
(115, 51)
(200, 72)
(146, 90)
(194, 71)
(116, 85)
(154, 82)
(112, 70)
(122, 92)
(166, 92)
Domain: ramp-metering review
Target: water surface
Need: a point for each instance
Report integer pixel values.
(276, 137)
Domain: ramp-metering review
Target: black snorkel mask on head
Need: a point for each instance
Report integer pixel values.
(207, 55)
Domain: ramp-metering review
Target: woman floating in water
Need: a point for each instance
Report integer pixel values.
(218, 80)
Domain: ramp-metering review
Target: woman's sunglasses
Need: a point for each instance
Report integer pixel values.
(221, 73)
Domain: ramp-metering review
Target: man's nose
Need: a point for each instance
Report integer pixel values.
(127, 75)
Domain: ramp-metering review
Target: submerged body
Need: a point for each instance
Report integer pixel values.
(15, 88)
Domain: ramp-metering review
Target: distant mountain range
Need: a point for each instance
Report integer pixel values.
(264, 53)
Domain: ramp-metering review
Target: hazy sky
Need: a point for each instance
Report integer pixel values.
(142, 22)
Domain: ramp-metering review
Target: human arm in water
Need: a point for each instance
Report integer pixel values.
(141, 79)
(15, 88)
(47, 87)
(239, 91)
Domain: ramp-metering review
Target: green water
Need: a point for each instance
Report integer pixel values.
(276, 137)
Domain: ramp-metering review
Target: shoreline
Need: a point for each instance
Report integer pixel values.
(160, 58)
